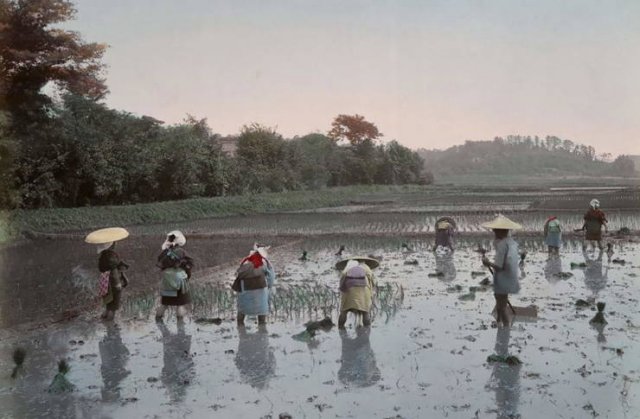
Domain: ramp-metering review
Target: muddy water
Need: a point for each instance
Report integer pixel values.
(428, 358)
(41, 280)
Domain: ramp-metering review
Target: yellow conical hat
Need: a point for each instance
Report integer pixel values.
(502, 223)
(106, 235)
(371, 262)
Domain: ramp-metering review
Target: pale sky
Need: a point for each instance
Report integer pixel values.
(428, 73)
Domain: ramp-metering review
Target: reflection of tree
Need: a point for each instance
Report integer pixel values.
(594, 277)
(506, 379)
(114, 356)
(177, 370)
(445, 264)
(552, 268)
(358, 362)
(255, 360)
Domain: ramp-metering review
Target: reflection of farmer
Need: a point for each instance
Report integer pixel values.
(505, 265)
(445, 228)
(177, 369)
(358, 362)
(176, 268)
(114, 356)
(356, 286)
(255, 360)
(553, 234)
(552, 268)
(594, 220)
(445, 264)
(112, 277)
(255, 278)
(594, 278)
(506, 379)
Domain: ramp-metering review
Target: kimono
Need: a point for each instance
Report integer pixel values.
(507, 257)
(176, 268)
(444, 232)
(593, 221)
(109, 263)
(253, 284)
(356, 287)
(553, 233)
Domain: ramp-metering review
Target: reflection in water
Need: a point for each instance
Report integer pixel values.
(177, 369)
(552, 268)
(358, 366)
(599, 327)
(594, 277)
(506, 379)
(114, 356)
(445, 264)
(255, 359)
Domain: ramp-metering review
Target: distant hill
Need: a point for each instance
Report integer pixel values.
(636, 162)
(524, 155)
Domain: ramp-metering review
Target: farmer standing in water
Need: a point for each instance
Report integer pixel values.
(112, 278)
(176, 268)
(594, 220)
(255, 280)
(504, 267)
(553, 235)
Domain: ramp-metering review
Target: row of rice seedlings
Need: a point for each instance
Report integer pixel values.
(387, 300)
(209, 299)
(307, 298)
(139, 306)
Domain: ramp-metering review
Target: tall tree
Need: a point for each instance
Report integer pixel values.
(353, 128)
(34, 52)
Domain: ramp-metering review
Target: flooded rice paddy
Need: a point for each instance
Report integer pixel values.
(425, 355)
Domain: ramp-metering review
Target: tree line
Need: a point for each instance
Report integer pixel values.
(532, 155)
(74, 151)
(84, 153)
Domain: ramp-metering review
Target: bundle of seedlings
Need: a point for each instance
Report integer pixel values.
(60, 383)
(18, 358)
(599, 317)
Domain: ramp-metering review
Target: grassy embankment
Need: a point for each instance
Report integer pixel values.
(540, 181)
(70, 219)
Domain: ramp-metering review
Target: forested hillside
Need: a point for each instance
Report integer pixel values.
(525, 155)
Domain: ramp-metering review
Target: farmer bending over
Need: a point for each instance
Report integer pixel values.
(356, 286)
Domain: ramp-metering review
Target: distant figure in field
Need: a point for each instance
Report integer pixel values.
(553, 235)
(112, 277)
(176, 268)
(356, 287)
(255, 279)
(594, 220)
(504, 267)
(445, 228)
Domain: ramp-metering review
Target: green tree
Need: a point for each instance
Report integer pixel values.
(262, 160)
(34, 52)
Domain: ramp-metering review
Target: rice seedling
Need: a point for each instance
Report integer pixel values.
(19, 356)
(60, 383)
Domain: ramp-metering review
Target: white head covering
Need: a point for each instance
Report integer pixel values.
(352, 263)
(103, 246)
(178, 239)
(263, 250)
(595, 204)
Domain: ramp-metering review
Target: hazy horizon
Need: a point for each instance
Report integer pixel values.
(428, 74)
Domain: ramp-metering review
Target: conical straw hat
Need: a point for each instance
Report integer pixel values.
(502, 223)
(370, 262)
(106, 235)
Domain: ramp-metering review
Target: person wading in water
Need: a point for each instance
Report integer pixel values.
(504, 267)
(112, 277)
